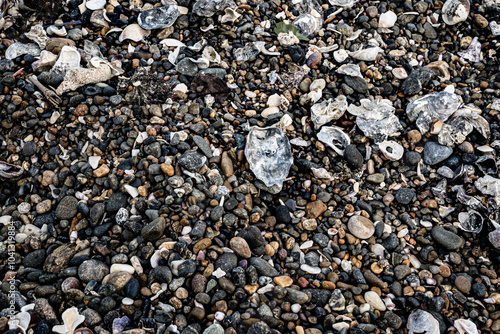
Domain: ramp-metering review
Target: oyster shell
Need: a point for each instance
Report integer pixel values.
(58, 31)
(326, 111)
(95, 4)
(37, 34)
(208, 8)
(391, 150)
(460, 125)
(308, 25)
(161, 17)
(387, 20)
(9, 171)
(69, 58)
(421, 321)
(19, 49)
(352, 70)
(230, 16)
(470, 221)
(288, 39)
(47, 59)
(465, 326)
(134, 32)
(335, 138)
(455, 11)
(269, 155)
(369, 54)
(211, 55)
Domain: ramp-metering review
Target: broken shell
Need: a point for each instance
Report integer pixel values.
(465, 326)
(38, 35)
(421, 321)
(387, 20)
(134, 32)
(95, 4)
(211, 55)
(369, 54)
(230, 16)
(288, 39)
(19, 49)
(470, 221)
(440, 67)
(340, 55)
(326, 111)
(47, 59)
(352, 70)
(391, 150)
(69, 58)
(9, 171)
(307, 24)
(335, 138)
(455, 11)
(160, 17)
(208, 8)
(58, 31)
(269, 155)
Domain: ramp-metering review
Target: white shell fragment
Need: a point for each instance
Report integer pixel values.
(352, 70)
(269, 155)
(18, 49)
(335, 138)
(38, 35)
(465, 326)
(69, 58)
(387, 20)
(455, 11)
(470, 221)
(95, 4)
(230, 16)
(157, 18)
(391, 150)
(288, 39)
(211, 55)
(71, 320)
(58, 31)
(326, 111)
(340, 55)
(133, 32)
(369, 54)
(421, 321)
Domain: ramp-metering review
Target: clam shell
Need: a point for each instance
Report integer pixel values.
(160, 17)
(391, 150)
(455, 11)
(387, 20)
(134, 32)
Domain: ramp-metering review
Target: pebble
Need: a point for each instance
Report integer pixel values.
(361, 227)
(435, 153)
(447, 239)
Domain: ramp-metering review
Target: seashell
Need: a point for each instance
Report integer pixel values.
(269, 155)
(307, 24)
(58, 31)
(465, 326)
(69, 58)
(230, 15)
(71, 320)
(335, 138)
(20, 321)
(387, 20)
(441, 69)
(326, 111)
(369, 54)
(470, 221)
(99, 19)
(340, 55)
(455, 11)
(83, 330)
(95, 4)
(9, 171)
(133, 32)
(288, 39)
(211, 55)
(47, 59)
(170, 42)
(391, 150)
(314, 59)
(160, 17)
(352, 70)
(38, 35)
(19, 49)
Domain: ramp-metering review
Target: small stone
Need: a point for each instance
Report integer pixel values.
(59, 258)
(240, 247)
(435, 153)
(154, 230)
(353, 157)
(315, 209)
(376, 178)
(463, 284)
(102, 171)
(405, 196)
(374, 300)
(67, 208)
(92, 270)
(283, 215)
(447, 239)
(361, 227)
(283, 281)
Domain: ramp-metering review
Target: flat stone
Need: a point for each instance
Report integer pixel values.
(447, 239)
(361, 227)
(240, 247)
(59, 258)
(435, 153)
(67, 208)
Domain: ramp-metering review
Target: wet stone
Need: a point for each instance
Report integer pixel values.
(435, 153)
(67, 208)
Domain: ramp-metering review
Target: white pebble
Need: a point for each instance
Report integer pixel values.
(116, 267)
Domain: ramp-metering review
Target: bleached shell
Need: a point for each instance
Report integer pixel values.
(95, 4)
(369, 54)
(58, 31)
(38, 35)
(287, 39)
(133, 32)
(18, 49)
(387, 20)
(318, 84)
(455, 11)
(391, 150)
(335, 138)
(230, 15)
(69, 58)
(211, 55)
(46, 59)
(340, 55)
(465, 326)
(171, 42)
(352, 70)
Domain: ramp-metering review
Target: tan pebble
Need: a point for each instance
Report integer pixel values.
(101, 171)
